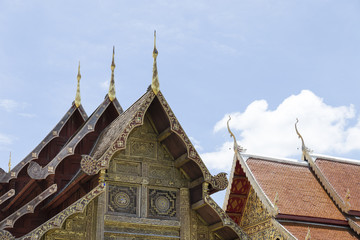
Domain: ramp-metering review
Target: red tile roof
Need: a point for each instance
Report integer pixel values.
(342, 176)
(319, 232)
(299, 192)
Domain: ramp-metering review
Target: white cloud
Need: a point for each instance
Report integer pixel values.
(105, 85)
(8, 104)
(324, 128)
(222, 159)
(27, 115)
(196, 143)
(5, 140)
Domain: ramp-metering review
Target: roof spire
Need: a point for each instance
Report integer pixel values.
(78, 97)
(10, 162)
(111, 93)
(236, 146)
(304, 149)
(155, 86)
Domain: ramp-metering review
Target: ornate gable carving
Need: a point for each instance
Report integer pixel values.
(256, 220)
(80, 226)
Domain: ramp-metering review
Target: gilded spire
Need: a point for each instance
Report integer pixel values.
(78, 97)
(155, 86)
(112, 81)
(10, 162)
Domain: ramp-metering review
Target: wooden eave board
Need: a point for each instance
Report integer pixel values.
(5, 177)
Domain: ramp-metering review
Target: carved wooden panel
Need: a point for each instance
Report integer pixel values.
(254, 212)
(162, 203)
(80, 226)
(128, 168)
(256, 220)
(161, 172)
(122, 199)
(143, 148)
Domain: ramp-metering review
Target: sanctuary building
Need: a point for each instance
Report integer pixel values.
(134, 174)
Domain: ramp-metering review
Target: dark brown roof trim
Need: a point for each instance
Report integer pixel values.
(307, 219)
(7, 176)
(35, 171)
(58, 220)
(27, 208)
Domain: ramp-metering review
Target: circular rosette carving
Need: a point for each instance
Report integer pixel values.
(122, 199)
(88, 165)
(5, 235)
(162, 204)
(220, 181)
(34, 170)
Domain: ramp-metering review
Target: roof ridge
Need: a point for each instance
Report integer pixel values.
(6, 177)
(335, 159)
(289, 161)
(36, 171)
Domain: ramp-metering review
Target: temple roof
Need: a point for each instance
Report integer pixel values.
(60, 134)
(318, 232)
(44, 187)
(299, 192)
(294, 194)
(343, 175)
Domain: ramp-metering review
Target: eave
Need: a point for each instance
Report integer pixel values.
(5, 177)
(35, 171)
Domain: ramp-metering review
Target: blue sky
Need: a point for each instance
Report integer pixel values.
(265, 62)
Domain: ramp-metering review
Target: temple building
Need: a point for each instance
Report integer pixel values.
(315, 198)
(135, 174)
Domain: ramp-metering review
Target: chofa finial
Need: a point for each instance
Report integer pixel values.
(236, 146)
(304, 149)
(78, 97)
(10, 162)
(111, 93)
(155, 85)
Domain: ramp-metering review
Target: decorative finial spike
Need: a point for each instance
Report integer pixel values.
(112, 81)
(155, 85)
(78, 97)
(304, 149)
(10, 162)
(236, 146)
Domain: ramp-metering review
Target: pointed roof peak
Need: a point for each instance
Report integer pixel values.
(78, 97)
(111, 93)
(155, 85)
